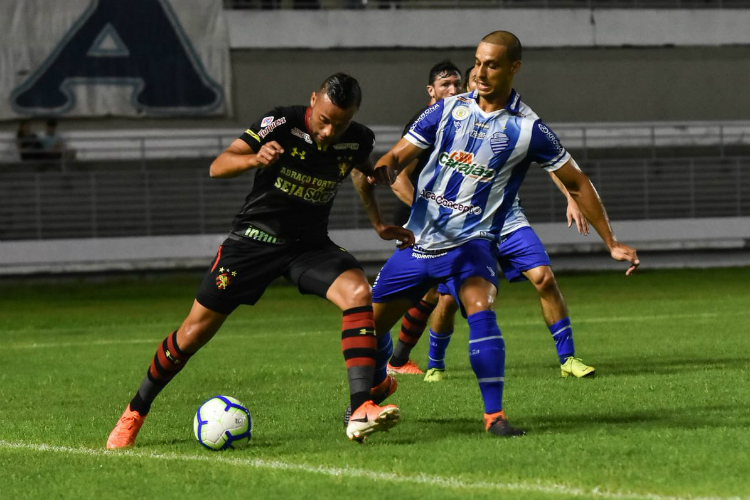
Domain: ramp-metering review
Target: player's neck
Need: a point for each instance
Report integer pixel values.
(490, 103)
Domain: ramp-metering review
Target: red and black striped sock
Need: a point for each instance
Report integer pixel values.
(358, 344)
(168, 361)
(412, 328)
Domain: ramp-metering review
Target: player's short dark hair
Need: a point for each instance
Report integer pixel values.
(511, 42)
(443, 69)
(466, 77)
(343, 90)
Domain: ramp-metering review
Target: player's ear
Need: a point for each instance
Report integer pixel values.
(515, 67)
(431, 91)
(313, 98)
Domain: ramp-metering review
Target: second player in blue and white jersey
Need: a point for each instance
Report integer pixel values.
(472, 177)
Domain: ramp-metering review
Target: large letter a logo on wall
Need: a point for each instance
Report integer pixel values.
(133, 43)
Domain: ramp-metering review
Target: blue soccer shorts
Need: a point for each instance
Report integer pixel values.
(410, 273)
(520, 251)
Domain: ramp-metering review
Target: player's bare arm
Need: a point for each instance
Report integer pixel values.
(402, 186)
(391, 163)
(386, 231)
(240, 157)
(583, 192)
(573, 213)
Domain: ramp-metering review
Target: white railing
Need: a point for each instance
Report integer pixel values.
(586, 140)
(180, 198)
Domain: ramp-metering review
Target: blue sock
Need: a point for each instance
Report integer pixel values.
(562, 334)
(487, 356)
(382, 355)
(438, 344)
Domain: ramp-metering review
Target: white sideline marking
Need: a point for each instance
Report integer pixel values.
(439, 481)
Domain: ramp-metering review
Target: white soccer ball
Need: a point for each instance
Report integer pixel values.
(222, 422)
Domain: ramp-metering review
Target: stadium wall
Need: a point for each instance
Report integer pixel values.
(661, 244)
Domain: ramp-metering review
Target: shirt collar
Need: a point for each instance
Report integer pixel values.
(514, 102)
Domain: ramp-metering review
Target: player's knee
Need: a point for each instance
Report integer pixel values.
(545, 282)
(359, 294)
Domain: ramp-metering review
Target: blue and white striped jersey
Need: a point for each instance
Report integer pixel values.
(470, 182)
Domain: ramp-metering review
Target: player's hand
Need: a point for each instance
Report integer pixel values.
(268, 154)
(383, 175)
(623, 252)
(390, 232)
(574, 214)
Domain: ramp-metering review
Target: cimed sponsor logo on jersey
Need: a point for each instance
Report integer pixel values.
(266, 121)
(463, 163)
(354, 146)
(302, 135)
(269, 128)
(499, 142)
(460, 112)
(453, 205)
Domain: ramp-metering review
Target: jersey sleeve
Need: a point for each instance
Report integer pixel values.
(424, 129)
(545, 148)
(264, 129)
(366, 145)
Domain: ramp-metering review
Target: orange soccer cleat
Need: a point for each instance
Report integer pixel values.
(126, 430)
(379, 393)
(369, 418)
(408, 368)
(497, 423)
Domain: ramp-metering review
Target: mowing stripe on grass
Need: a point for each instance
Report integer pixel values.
(85, 343)
(504, 324)
(346, 472)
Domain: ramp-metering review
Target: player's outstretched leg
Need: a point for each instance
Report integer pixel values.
(168, 361)
(570, 366)
(487, 357)
(359, 346)
(170, 358)
(384, 384)
(555, 312)
(412, 328)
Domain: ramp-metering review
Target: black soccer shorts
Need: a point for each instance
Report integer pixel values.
(243, 269)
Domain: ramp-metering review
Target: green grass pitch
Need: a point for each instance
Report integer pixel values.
(667, 418)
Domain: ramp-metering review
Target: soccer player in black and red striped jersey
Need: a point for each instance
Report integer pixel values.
(300, 156)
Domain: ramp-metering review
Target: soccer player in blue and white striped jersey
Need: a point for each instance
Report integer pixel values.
(484, 142)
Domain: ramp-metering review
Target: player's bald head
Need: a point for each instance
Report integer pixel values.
(507, 39)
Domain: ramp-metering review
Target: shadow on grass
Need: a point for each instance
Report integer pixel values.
(723, 416)
(654, 364)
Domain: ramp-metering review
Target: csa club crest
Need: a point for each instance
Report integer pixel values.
(225, 278)
(499, 142)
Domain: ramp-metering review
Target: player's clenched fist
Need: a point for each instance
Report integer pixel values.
(268, 154)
